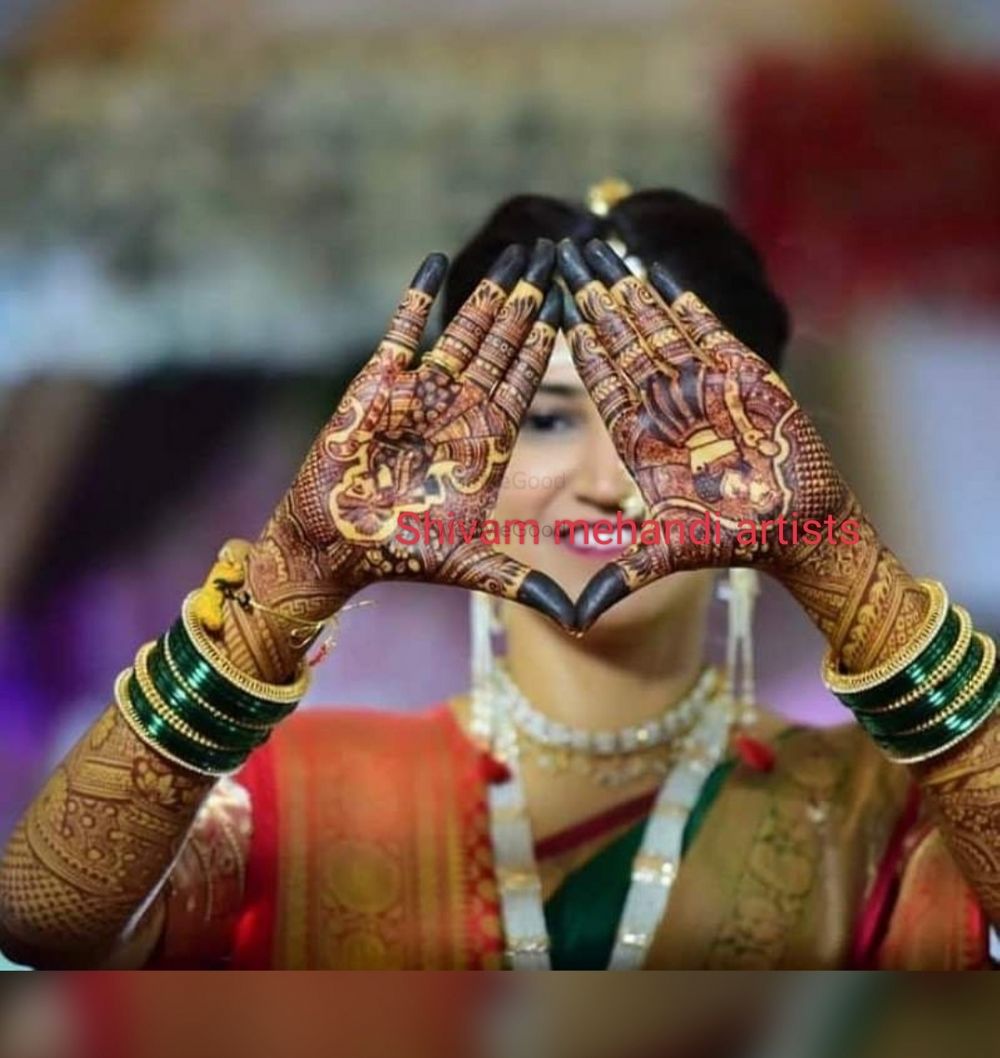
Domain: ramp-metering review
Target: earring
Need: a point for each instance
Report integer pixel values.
(632, 503)
(485, 626)
(740, 590)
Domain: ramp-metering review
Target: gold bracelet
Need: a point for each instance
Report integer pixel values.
(163, 709)
(304, 632)
(128, 714)
(944, 669)
(280, 694)
(974, 686)
(201, 700)
(853, 683)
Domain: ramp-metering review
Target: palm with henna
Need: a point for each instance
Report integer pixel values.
(702, 423)
(428, 437)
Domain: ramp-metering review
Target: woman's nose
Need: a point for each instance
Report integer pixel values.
(601, 478)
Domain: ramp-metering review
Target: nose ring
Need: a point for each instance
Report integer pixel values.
(632, 503)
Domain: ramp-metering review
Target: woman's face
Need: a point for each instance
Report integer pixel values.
(565, 468)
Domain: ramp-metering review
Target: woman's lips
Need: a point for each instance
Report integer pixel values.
(581, 541)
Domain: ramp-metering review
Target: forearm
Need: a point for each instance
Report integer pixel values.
(860, 596)
(84, 865)
(869, 606)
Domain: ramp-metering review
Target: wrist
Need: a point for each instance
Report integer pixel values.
(860, 596)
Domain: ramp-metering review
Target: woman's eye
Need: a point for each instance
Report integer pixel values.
(548, 421)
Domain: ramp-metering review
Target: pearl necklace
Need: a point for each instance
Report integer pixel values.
(611, 757)
(654, 868)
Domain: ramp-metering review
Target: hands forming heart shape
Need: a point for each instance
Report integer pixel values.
(702, 424)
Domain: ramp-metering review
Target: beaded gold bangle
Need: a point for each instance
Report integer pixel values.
(940, 673)
(889, 728)
(958, 727)
(281, 694)
(975, 685)
(128, 714)
(200, 699)
(163, 710)
(852, 683)
(219, 729)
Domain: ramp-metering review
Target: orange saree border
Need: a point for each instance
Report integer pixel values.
(370, 847)
(937, 923)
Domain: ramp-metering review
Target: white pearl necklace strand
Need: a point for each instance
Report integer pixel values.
(654, 868)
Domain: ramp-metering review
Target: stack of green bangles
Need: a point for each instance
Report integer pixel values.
(190, 703)
(930, 696)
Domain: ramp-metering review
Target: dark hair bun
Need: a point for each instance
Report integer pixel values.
(696, 242)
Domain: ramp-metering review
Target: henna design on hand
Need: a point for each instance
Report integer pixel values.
(703, 425)
(433, 438)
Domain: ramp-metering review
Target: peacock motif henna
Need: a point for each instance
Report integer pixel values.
(432, 439)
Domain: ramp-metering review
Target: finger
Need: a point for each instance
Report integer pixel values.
(608, 390)
(652, 319)
(406, 328)
(510, 329)
(637, 567)
(692, 315)
(465, 333)
(480, 568)
(614, 328)
(517, 390)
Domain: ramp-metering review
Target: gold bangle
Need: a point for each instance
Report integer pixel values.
(974, 686)
(201, 700)
(280, 694)
(853, 683)
(163, 709)
(944, 669)
(127, 712)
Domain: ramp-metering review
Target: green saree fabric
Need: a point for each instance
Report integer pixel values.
(582, 915)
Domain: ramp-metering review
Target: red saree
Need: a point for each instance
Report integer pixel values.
(370, 850)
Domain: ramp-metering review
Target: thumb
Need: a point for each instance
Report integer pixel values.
(638, 566)
(485, 569)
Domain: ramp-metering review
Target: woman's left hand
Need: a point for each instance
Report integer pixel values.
(703, 424)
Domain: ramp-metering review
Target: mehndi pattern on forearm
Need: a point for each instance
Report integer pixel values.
(95, 845)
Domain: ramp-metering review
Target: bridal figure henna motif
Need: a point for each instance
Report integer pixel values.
(436, 437)
(704, 425)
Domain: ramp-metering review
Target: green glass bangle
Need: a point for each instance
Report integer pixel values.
(212, 708)
(192, 714)
(934, 741)
(161, 733)
(932, 701)
(914, 675)
(202, 678)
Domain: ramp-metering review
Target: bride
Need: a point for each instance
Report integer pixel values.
(605, 795)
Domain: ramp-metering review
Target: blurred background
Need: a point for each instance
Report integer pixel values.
(576, 1015)
(207, 212)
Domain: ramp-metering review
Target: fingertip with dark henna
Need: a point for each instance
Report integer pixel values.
(607, 587)
(507, 268)
(572, 317)
(572, 266)
(543, 594)
(664, 282)
(607, 265)
(551, 311)
(543, 260)
(430, 274)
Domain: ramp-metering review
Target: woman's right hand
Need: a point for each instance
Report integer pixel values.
(432, 438)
